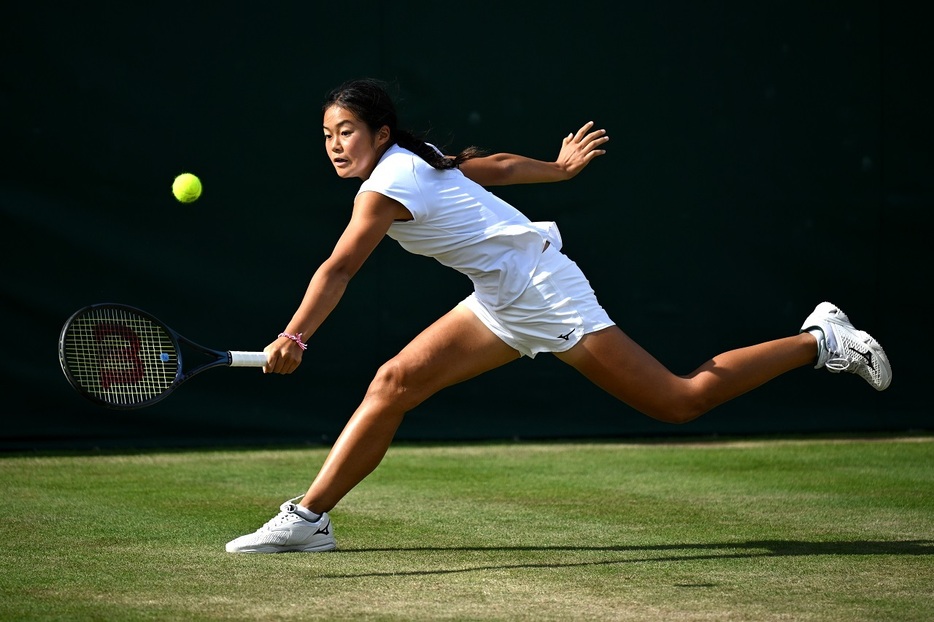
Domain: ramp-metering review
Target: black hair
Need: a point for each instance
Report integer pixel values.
(368, 99)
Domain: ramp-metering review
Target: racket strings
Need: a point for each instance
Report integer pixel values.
(120, 357)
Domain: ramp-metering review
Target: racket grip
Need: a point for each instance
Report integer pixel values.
(247, 359)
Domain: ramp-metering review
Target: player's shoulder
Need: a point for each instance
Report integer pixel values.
(396, 168)
(396, 159)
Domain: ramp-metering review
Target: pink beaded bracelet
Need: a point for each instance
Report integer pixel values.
(297, 338)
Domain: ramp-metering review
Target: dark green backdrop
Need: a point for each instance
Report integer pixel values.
(764, 157)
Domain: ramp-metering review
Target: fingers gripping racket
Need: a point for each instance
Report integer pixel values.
(121, 357)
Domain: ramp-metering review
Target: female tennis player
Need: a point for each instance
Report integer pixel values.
(528, 298)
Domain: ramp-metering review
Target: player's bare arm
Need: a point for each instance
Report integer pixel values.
(502, 169)
(373, 214)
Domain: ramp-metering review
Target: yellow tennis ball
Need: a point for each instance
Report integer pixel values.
(186, 188)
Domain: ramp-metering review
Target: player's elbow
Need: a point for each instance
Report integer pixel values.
(330, 282)
(337, 271)
(491, 170)
(501, 173)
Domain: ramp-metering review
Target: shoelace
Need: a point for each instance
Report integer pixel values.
(279, 519)
(286, 514)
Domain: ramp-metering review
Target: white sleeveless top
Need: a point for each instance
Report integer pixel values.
(462, 225)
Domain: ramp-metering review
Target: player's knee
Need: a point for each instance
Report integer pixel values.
(682, 410)
(683, 415)
(393, 383)
(389, 381)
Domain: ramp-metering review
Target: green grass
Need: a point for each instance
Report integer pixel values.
(808, 529)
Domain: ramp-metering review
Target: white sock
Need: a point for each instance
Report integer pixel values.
(307, 514)
(822, 345)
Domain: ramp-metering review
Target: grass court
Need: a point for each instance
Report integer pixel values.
(805, 529)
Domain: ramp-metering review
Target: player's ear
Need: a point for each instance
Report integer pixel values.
(382, 136)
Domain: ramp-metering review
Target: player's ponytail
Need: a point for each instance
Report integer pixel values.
(430, 154)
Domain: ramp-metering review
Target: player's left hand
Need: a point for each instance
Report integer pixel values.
(578, 149)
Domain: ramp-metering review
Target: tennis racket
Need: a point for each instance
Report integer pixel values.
(120, 357)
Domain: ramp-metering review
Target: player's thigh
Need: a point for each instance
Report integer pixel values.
(455, 348)
(620, 366)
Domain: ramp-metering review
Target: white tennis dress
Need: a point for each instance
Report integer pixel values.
(535, 301)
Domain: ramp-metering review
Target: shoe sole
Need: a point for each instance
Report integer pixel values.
(271, 548)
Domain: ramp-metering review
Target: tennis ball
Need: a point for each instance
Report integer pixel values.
(186, 188)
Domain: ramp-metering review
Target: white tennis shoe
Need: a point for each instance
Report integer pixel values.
(843, 348)
(287, 532)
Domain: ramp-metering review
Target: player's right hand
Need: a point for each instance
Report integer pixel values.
(283, 356)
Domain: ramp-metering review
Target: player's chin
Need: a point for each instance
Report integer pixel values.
(342, 170)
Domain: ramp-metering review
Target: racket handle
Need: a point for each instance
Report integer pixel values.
(247, 359)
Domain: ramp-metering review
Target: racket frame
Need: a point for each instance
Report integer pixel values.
(217, 358)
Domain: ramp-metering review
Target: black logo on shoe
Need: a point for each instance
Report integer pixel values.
(566, 336)
(866, 355)
(326, 530)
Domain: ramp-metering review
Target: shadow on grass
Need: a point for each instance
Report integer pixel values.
(685, 552)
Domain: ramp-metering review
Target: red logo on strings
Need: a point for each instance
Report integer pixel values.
(119, 365)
